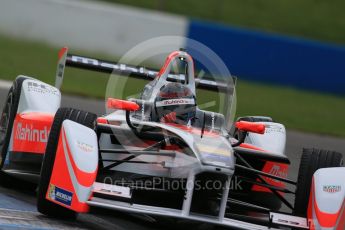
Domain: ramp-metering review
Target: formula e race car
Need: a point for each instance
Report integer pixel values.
(162, 155)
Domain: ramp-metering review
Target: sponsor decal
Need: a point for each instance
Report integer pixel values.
(274, 129)
(110, 189)
(84, 147)
(29, 133)
(182, 101)
(143, 110)
(215, 160)
(209, 149)
(212, 116)
(60, 195)
(331, 188)
(51, 191)
(61, 68)
(122, 67)
(215, 157)
(189, 124)
(145, 115)
(34, 86)
(276, 170)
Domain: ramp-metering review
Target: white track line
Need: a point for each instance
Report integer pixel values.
(5, 84)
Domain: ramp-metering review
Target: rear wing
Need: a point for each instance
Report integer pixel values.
(86, 63)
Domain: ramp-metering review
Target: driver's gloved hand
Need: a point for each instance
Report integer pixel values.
(169, 118)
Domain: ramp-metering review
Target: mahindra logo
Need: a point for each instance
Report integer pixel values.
(174, 102)
(84, 147)
(28, 133)
(276, 170)
(332, 188)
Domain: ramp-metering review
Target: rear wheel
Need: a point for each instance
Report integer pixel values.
(44, 206)
(6, 125)
(8, 115)
(312, 160)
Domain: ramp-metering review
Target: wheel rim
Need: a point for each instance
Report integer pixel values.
(4, 120)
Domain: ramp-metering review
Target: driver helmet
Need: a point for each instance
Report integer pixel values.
(175, 103)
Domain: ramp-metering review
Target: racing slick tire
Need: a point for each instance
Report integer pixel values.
(312, 160)
(8, 115)
(43, 205)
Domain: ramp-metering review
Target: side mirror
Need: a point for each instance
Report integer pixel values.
(252, 127)
(113, 103)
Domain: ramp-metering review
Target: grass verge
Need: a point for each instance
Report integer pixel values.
(316, 19)
(297, 109)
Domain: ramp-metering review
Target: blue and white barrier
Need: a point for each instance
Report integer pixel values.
(276, 59)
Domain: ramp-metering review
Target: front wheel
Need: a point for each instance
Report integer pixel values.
(45, 206)
(312, 160)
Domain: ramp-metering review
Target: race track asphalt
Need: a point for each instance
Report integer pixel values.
(17, 204)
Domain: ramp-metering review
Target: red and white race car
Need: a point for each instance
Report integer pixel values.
(129, 159)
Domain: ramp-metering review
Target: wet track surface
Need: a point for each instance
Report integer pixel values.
(17, 201)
